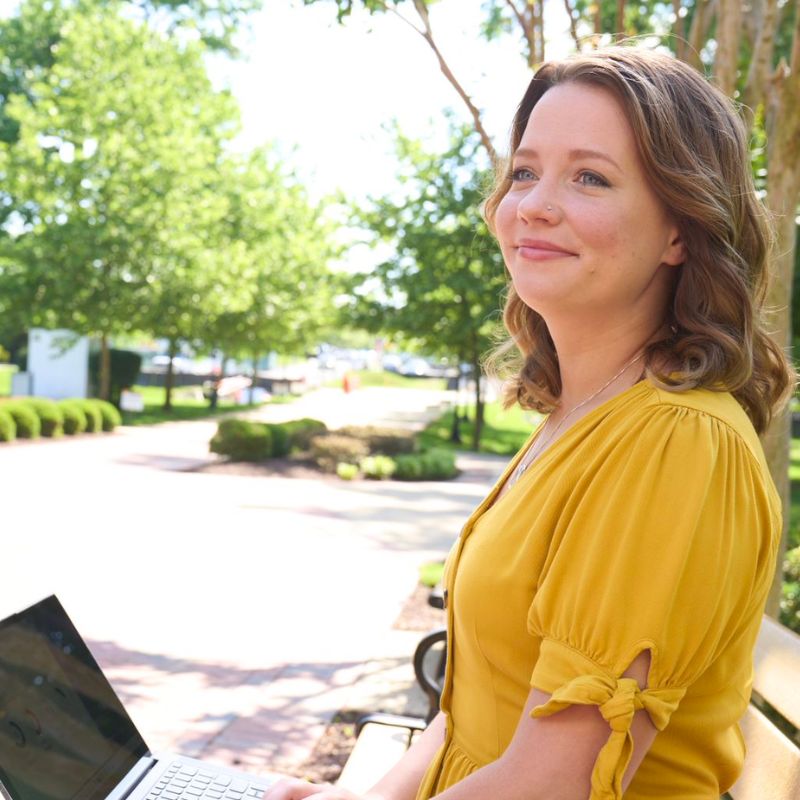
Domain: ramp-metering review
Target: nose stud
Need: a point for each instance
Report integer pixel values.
(549, 208)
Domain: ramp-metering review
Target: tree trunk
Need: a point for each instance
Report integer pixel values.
(478, 430)
(105, 369)
(169, 379)
(698, 33)
(755, 90)
(455, 430)
(729, 32)
(254, 379)
(619, 25)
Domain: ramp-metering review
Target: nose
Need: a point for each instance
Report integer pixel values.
(538, 203)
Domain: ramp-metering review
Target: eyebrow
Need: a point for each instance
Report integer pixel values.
(577, 153)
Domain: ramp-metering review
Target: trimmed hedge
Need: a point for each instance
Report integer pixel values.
(434, 465)
(281, 440)
(74, 417)
(25, 418)
(94, 417)
(8, 428)
(50, 415)
(242, 440)
(332, 449)
(378, 468)
(386, 441)
(110, 417)
(302, 431)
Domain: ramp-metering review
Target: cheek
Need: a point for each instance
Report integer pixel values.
(505, 219)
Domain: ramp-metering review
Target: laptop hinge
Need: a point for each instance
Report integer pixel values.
(133, 778)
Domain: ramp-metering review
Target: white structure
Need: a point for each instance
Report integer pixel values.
(58, 362)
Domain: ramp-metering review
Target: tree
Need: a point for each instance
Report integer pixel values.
(443, 284)
(753, 56)
(278, 246)
(108, 175)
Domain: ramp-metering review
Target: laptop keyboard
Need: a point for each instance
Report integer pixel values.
(184, 782)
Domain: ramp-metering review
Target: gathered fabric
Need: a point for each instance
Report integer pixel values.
(650, 524)
(618, 701)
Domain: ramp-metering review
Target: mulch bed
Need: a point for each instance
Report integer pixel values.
(417, 615)
(277, 467)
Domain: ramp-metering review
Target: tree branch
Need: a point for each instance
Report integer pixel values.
(527, 32)
(679, 30)
(572, 29)
(729, 31)
(756, 86)
(698, 33)
(427, 34)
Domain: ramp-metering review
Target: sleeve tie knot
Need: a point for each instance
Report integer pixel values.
(618, 699)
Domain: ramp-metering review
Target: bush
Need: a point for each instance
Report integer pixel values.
(125, 368)
(109, 416)
(50, 415)
(74, 417)
(790, 599)
(281, 441)
(378, 467)
(347, 472)
(431, 466)
(241, 440)
(331, 449)
(387, 441)
(302, 431)
(8, 428)
(94, 417)
(25, 418)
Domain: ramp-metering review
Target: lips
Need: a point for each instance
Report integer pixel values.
(541, 250)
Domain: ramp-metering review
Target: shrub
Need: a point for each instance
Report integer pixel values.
(94, 417)
(50, 415)
(331, 449)
(110, 417)
(431, 466)
(25, 418)
(302, 431)
(281, 440)
(790, 599)
(8, 428)
(347, 472)
(378, 467)
(74, 417)
(125, 368)
(387, 441)
(241, 440)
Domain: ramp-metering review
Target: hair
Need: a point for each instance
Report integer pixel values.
(694, 149)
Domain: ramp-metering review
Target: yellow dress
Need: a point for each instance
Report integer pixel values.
(651, 523)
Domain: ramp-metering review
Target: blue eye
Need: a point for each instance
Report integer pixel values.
(522, 174)
(593, 179)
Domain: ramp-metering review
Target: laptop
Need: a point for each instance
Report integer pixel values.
(64, 734)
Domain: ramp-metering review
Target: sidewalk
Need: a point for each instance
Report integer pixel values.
(234, 615)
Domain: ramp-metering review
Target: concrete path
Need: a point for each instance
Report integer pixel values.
(233, 614)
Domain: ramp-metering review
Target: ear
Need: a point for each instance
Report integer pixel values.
(675, 252)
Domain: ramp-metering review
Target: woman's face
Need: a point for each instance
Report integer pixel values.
(580, 229)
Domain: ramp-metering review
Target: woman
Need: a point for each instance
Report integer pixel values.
(606, 596)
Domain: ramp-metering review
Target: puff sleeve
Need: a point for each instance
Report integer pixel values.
(666, 544)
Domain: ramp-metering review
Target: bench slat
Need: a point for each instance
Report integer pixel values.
(377, 749)
(772, 766)
(777, 667)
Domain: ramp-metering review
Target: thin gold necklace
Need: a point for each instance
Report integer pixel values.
(534, 451)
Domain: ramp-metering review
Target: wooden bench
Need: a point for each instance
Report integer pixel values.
(770, 726)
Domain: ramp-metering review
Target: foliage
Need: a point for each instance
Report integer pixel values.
(387, 441)
(790, 599)
(377, 467)
(430, 574)
(302, 431)
(242, 440)
(125, 368)
(50, 415)
(347, 472)
(94, 417)
(332, 449)
(504, 431)
(74, 417)
(432, 465)
(111, 418)
(281, 441)
(25, 418)
(8, 428)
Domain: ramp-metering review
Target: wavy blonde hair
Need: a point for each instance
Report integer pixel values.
(694, 149)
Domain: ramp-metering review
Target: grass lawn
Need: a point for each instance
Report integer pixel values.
(187, 404)
(504, 432)
(392, 380)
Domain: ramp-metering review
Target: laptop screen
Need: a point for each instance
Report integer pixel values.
(64, 734)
